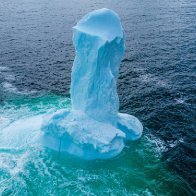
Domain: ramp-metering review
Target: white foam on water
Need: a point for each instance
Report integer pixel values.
(9, 77)
(9, 87)
(176, 142)
(12, 163)
(180, 101)
(158, 145)
(150, 78)
(13, 89)
(21, 133)
(3, 68)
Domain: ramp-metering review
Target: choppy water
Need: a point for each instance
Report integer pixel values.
(156, 84)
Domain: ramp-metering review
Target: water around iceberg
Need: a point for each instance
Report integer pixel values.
(94, 129)
(26, 168)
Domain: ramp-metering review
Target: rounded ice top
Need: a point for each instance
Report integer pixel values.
(103, 23)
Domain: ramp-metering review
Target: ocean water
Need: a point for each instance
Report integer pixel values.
(157, 84)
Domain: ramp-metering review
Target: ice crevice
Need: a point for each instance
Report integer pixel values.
(93, 128)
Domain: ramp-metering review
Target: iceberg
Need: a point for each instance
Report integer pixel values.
(93, 128)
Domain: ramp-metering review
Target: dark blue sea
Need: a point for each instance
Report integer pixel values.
(157, 84)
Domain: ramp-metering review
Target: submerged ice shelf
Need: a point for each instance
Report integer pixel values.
(93, 128)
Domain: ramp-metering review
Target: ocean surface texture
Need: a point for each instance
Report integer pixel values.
(157, 83)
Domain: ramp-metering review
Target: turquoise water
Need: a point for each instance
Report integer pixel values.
(26, 168)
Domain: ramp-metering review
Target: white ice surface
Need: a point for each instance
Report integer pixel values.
(94, 129)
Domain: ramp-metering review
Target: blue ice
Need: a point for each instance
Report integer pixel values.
(94, 128)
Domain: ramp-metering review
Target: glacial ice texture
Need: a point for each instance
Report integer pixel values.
(93, 128)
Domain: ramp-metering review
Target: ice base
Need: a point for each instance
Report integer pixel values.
(80, 135)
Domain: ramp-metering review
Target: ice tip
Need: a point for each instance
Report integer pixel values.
(104, 23)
